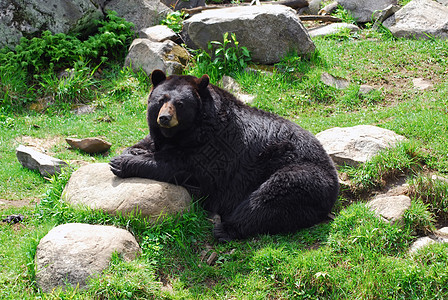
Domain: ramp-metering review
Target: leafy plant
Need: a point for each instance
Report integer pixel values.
(174, 20)
(223, 58)
(38, 59)
(344, 15)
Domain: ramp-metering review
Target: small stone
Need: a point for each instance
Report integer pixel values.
(421, 243)
(34, 160)
(83, 110)
(89, 145)
(364, 89)
(422, 84)
(336, 82)
(391, 208)
(442, 232)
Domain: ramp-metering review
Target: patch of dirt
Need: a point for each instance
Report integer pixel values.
(42, 145)
(18, 203)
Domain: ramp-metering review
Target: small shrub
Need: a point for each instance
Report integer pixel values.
(40, 58)
(226, 58)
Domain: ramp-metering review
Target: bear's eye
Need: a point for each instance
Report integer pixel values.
(179, 103)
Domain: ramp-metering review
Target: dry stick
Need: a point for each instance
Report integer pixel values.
(290, 3)
(319, 18)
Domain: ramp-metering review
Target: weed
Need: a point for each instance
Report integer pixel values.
(344, 15)
(404, 158)
(418, 219)
(433, 193)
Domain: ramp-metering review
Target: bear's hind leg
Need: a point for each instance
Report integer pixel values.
(294, 197)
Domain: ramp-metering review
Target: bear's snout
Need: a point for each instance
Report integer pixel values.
(167, 117)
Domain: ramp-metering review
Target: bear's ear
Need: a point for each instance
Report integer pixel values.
(157, 77)
(203, 82)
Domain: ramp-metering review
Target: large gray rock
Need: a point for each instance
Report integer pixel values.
(71, 253)
(95, 186)
(35, 160)
(362, 10)
(149, 55)
(143, 13)
(29, 17)
(420, 19)
(268, 31)
(355, 145)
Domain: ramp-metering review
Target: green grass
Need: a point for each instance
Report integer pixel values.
(355, 256)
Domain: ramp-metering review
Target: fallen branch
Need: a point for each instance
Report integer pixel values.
(290, 3)
(319, 18)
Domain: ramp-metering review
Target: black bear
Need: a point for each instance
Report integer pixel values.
(260, 173)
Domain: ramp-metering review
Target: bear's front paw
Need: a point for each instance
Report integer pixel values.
(117, 165)
(137, 151)
(221, 234)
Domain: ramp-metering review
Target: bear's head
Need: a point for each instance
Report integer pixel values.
(175, 103)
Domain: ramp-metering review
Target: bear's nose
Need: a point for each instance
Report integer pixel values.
(165, 119)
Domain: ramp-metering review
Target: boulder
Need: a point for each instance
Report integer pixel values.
(143, 13)
(89, 145)
(35, 160)
(148, 55)
(420, 19)
(355, 145)
(71, 253)
(95, 186)
(269, 32)
(30, 17)
(333, 28)
(391, 208)
(362, 10)
(183, 4)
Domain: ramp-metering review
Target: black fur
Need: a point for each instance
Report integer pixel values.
(259, 172)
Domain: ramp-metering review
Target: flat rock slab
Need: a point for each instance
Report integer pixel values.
(269, 32)
(355, 145)
(391, 208)
(69, 254)
(35, 160)
(95, 186)
(158, 33)
(333, 28)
